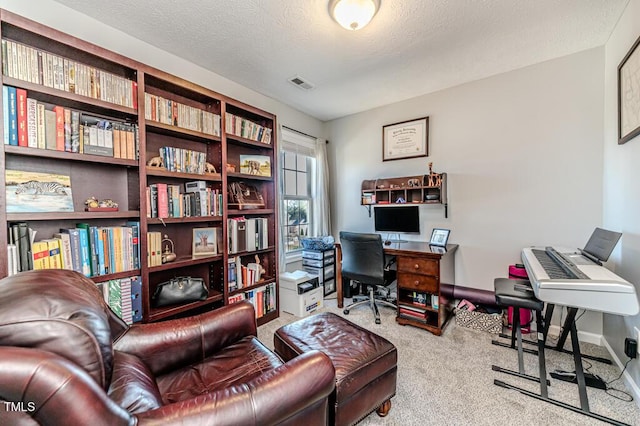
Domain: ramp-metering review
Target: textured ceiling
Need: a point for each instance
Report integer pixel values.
(411, 47)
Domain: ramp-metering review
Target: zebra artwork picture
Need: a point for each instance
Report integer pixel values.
(31, 192)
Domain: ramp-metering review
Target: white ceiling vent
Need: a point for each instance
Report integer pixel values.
(301, 83)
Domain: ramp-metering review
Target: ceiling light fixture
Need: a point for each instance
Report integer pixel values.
(353, 14)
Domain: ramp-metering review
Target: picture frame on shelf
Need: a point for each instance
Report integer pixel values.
(204, 242)
(36, 192)
(439, 237)
(629, 95)
(255, 165)
(406, 139)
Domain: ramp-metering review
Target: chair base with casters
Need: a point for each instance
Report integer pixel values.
(372, 301)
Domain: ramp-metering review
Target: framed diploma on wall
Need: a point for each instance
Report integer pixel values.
(407, 139)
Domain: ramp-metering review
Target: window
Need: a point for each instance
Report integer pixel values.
(297, 172)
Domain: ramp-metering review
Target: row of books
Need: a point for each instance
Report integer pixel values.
(47, 69)
(154, 248)
(166, 111)
(124, 297)
(183, 160)
(242, 127)
(262, 298)
(241, 276)
(412, 312)
(34, 124)
(89, 250)
(247, 234)
(168, 200)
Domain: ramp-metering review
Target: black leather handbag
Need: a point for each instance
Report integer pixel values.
(179, 290)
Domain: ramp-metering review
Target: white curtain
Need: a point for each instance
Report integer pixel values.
(293, 141)
(321, 204)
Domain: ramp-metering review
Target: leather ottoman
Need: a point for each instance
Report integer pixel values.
(365, 363)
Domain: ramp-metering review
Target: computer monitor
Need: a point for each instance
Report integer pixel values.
(397, 219)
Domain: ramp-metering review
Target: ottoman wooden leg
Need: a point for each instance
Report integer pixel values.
(383, 410)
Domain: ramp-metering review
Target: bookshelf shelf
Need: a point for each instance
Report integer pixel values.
(165, 114)
(184, 262)
(158, 171)
(186, 219)
(127, 214)
(238, 140)
(170, 130)
(244, 176)
(116, 276)
(165, 312)
(71, 156)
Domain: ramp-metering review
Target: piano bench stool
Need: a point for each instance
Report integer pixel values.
(519, 294)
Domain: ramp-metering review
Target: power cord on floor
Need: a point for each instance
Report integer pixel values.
(625, 396)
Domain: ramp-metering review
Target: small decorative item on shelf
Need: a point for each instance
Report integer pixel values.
(168, 255)
(209, 168)
(435, 179)
(231, 168)
(106, 205)
(155, 162)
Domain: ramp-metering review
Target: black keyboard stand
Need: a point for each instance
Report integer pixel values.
(569, 327)
(566, 329)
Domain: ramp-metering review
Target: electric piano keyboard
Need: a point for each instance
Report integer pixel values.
(595, 288)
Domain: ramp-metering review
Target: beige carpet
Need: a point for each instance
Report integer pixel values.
(447, 380)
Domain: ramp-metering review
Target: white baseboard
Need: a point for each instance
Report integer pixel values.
(583, 336)
(628, 380)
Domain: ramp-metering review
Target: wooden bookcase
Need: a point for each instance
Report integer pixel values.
(126, 180)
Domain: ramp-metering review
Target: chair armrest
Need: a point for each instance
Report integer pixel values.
(296, 392)
(169, 344)
(47, 387)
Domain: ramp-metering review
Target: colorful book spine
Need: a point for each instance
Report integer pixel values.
(32, 123)
(21, 97)
(85, 255)
(13, 116)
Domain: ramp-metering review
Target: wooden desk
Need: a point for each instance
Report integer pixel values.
(421, 269)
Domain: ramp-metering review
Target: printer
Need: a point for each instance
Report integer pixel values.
(300, 293)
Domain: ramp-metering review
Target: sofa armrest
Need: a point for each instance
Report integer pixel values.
(296, 392)
(169, 344)
(42, 385)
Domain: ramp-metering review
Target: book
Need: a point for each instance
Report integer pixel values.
(21, 99)
(5, 112)
(50, 129)
(59, 111)
(74, 243)
(32, 126)
(13, 116)
(65, 249)
(40, 255)
(163, 200)
(135, 240)
(55, 257)
(12, 259)
(85, 253)
(136, 298)
(40, 126)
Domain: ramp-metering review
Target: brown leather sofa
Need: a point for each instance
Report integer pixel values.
(67, 359)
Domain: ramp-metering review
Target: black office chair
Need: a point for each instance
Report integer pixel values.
(363, 260)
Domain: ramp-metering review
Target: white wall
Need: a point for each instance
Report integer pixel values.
(621, 189)
(523, 153)
(72, 22)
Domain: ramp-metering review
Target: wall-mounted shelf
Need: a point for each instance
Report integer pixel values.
(420, 189)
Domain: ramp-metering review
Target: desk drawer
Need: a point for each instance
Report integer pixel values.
(417, 282)
(417, 265)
